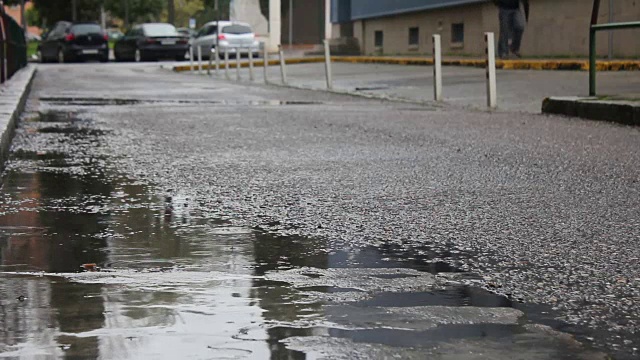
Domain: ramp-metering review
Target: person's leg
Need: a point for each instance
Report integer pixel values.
(503, 41)
(519, 23)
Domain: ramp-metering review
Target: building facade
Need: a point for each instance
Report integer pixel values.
(556, 28)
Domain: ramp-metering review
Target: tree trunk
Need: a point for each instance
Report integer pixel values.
(171, 10)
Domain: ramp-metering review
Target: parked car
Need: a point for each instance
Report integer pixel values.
(233, 37)
(190, 33)
(71, 42)
(151, 41)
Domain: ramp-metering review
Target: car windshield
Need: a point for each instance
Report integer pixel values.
(160, 30)
(84, 29)
(236, 29)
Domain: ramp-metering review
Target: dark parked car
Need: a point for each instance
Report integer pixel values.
(151, 42)
(72, 42)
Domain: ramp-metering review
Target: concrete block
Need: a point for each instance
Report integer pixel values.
(618, 111)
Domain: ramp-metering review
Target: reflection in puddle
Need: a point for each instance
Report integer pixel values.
(78, 101)
(178, 284)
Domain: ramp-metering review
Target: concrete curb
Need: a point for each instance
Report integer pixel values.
(13, 96)
(579, 65)
(245, 64)
(593, 108)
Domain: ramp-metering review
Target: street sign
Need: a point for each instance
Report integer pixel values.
(192, 23)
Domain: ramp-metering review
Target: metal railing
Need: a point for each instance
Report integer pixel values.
(593, 29)
(13, 46)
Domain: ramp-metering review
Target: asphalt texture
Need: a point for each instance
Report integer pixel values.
(539, 213)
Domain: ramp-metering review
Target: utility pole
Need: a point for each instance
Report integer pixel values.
(290, 24)
(103, 17)
(23, 19)
(74, 14)
(126, 14)
(217, 9)
(275, 23)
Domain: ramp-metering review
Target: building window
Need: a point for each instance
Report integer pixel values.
(378, 38)
(414, 36)
(457, 33)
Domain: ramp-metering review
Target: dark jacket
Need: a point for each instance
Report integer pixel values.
(513, 5)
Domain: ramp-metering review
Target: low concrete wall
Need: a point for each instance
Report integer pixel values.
(13, 96)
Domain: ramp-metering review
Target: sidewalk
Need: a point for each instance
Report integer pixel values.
(518, 90)
(511, 64)
(13, 95)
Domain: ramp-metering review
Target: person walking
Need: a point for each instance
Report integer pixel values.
(512, 24)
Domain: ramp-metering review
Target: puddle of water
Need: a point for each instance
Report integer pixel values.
(79, 101)
(170, 272)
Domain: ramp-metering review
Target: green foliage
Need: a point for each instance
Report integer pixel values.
(57, 10)
(139, 10)
(33, 16)
(186, 9)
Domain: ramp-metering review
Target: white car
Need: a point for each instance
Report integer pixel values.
(234, 37)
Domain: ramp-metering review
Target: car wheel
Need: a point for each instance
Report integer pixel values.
(137, 57)
(61, 58)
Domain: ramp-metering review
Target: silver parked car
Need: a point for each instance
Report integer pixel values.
(233, 37)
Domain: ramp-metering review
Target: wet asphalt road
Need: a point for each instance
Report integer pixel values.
(237, 221)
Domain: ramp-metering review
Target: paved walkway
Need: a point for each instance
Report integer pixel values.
(518, 90)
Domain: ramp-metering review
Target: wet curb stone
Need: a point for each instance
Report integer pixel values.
(13, 96)
(593, 108)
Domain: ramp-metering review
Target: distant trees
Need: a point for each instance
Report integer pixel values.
(178, 12)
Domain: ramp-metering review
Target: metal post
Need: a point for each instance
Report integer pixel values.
(437, 68)
(290, 23)
(199, 59)
(491, 69)
(327, 64)
(592, 62)
(226, 65)
(3, 55)
(217, 62)
(251, 76)
(217, 8)
(283, 70)
(265, 62)
(610, 32)
(238, 64)
(592, 48)
(191, 58)
(209, 66)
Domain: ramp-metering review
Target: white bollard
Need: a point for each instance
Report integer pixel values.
(437, 68)
(199, 59)
(209, 66)
(251, 77)
(283, 70)
(238, 64)
(327, 64)
(491, 70)
(191, 58)
(226, 65)
(265, 62)
(217, 63)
